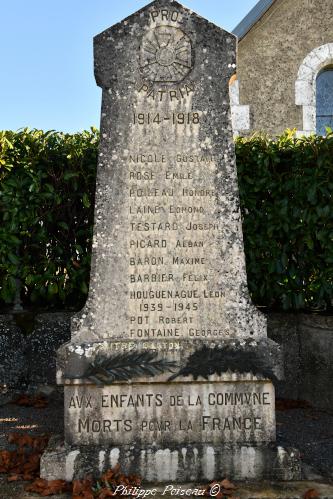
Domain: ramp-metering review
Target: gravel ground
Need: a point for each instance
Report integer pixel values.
(35, 421)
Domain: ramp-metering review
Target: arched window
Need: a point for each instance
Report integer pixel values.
(315, 71)
(324, 100)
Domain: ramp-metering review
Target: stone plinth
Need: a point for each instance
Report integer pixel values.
(174, 464)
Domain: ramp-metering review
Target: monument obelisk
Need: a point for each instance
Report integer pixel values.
(169, 370)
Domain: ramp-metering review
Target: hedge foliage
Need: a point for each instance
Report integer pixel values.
(46, 212)
(47, 183)
(286, 189)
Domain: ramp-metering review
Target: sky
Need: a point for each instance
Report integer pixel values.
(46, 69)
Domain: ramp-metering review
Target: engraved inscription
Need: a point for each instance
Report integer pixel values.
(170, 277)
(168, 230)
(158, 119)
(221, 412)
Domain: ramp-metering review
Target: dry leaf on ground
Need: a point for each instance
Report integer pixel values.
(311, 494)
(48, 488)
(23, 462)
(38, 401)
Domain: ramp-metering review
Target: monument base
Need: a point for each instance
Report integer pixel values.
(191, 463)
(180, 413)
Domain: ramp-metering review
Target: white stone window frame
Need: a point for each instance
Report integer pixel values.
(240, 114)
(305, 85)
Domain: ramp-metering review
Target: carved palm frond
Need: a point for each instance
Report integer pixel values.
(208, 361)
(125, 366)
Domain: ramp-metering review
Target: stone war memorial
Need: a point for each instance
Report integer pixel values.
(169, 371)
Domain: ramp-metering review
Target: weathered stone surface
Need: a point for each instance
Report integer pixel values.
(168, 258)
(200, 463)
(170, 413)
(169, 368)
(190, 357)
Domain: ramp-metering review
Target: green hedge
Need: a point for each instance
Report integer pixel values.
(47, 183)
(286, 190)
(46, 210)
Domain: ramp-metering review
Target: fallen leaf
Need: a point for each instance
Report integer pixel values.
(54, 487)
(84, 495)
(233, 79)
(22, 440)
(25, 400)
(80, 486)
(48, 488)
(5, 456)
(104, 493)
(27, 477)
(87, 495)
(37, 485)
(13, 478)
(227, 485)
(23, 462)
(311, 494)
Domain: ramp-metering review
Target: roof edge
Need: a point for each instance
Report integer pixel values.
(252, 18)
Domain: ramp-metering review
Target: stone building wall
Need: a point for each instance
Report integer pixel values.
(269, 59)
